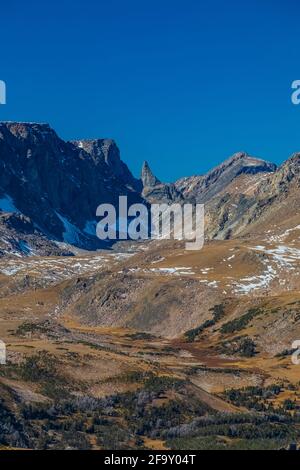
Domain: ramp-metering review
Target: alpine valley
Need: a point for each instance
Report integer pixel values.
(144, 345)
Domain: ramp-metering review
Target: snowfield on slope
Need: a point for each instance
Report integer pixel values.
(59, 268)
(281, 262)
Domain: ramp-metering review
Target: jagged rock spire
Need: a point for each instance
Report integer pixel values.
(149, 180)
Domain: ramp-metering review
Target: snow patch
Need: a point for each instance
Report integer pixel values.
(262, 281)
(90, 227)
(7, 204)
(72, 233)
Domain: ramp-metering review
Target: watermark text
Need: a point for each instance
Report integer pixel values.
(155, 221)
(2, 92)
(2, 353)
(296, 93)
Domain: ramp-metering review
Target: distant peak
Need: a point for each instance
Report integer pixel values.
(105, 149)
(246, 160)
(98, 141)
(148, 178)
(94, 146)
(243, 156)
(240, 155)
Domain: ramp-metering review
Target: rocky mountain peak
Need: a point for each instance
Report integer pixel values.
(104, 149)
(105, 152)
(149, 180)
(244, 163)
(205, 187)
(154, 191)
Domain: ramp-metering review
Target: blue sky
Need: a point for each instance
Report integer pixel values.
(182, 84)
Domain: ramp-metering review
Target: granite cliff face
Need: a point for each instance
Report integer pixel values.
(58, 185)
(106, 155)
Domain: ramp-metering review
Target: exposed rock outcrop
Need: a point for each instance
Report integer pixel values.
(156, 192)
(59, 184)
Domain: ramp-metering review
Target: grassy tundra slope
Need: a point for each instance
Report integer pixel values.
(162, 349)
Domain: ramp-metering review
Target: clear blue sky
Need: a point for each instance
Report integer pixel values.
(182, 84)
